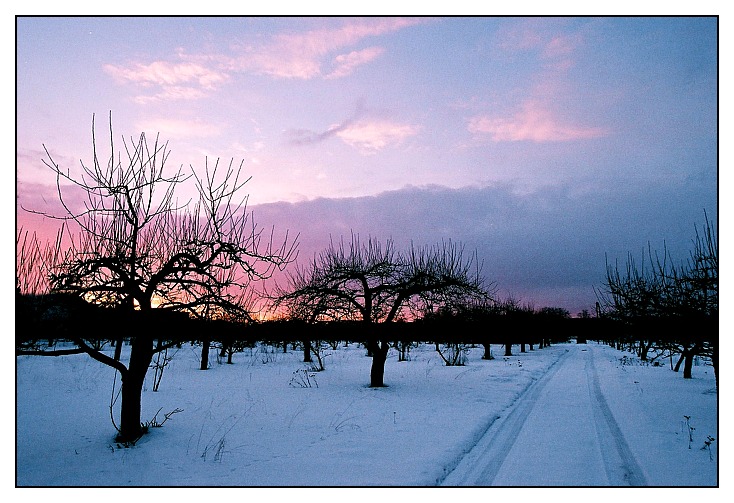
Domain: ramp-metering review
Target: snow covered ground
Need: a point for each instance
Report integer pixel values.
(252, 424)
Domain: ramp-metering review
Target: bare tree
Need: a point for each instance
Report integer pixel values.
(308, 310)
(376, 284)
(679, 303)
(138, 248)
(33, 260)
(33, 288)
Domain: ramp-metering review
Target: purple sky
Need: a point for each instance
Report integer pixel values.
(543, 143)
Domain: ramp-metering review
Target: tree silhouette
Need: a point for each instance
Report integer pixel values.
(376, 284)
(137, 248)
(677, 303)
(32, 261)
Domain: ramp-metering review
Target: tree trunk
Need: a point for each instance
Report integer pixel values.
(402, 351)
(307, 352)
(379, 356)
(715, 362)
(644, 348)
(508, 349)
(205, 354)
(688, 364)
(141, 355)
(680, 360)
(118, 349)
(522, 347)
(487, 352)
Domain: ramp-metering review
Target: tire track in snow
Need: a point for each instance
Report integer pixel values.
(619, 462)
(481, 464)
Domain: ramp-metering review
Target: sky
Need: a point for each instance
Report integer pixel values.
(547, 144)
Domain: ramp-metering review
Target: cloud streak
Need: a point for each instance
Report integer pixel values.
(319, 53)
(533, 122)
(368, 135)
(345, 64)
(539, 117)
(176, 81)
(163, 73)
(372, 136)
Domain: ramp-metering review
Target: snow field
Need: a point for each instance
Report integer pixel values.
(247, 424)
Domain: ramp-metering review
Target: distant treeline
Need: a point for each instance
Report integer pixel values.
(55, 317)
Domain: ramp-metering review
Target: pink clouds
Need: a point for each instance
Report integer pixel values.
(549, 36)
(344, 64)
(545, 112)
(185, 80)
(164, 73)
(561, 46)
(371, 136)
(522, 35)
(368, 135)
(306, 55)
(317, 53)
(554, 45)
(533, 122)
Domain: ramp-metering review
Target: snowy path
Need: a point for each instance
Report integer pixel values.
(560, 432)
